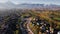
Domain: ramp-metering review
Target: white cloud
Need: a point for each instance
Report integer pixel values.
(32, 1)
(3, 1)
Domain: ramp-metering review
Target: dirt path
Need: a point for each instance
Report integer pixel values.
(28, 28)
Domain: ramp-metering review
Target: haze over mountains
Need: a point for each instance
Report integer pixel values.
(26, 5)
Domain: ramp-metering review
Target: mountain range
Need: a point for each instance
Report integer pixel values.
(26, 5)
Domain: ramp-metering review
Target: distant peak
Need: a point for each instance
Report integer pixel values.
(9, 2)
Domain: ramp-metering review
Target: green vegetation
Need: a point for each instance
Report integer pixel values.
(44, 16)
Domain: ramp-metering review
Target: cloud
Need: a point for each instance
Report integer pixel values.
(37, 1)
(3, 1)
(32, 1)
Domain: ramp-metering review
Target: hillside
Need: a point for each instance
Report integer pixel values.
(27, 21)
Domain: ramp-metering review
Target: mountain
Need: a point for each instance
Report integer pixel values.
(26, 5)
(7, 5)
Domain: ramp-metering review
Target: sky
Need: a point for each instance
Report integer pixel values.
(32, 1)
